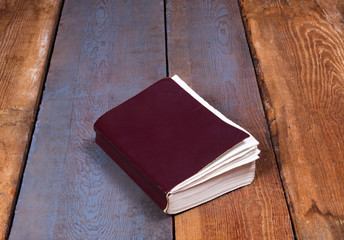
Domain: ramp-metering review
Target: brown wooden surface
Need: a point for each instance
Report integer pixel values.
(27, 31)
(105, 52)
(300, 49)
(208, 49)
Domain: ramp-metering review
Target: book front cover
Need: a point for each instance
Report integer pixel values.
(167, 134)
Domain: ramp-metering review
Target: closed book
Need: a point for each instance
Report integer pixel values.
(180, 150)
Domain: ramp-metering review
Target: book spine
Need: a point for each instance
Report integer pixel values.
(151, 189)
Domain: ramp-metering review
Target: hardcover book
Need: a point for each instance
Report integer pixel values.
(180, 150)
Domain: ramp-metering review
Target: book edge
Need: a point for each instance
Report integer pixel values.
(189, 90)
(153, 191)
(250, 165)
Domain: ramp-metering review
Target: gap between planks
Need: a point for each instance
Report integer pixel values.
(26, 53)
(37, 108)
(264, 99)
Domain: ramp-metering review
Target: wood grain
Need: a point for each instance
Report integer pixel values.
(208, 49)
(105, 52)
(27, 30)
(300, 49)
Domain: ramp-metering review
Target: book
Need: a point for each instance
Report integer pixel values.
(180, 150)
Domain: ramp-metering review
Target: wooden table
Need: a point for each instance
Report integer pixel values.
(277, 69)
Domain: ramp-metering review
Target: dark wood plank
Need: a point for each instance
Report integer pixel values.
(27, 30)
(207, 48)
(105, 52)
(300, 49)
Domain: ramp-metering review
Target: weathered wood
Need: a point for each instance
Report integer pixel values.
(105, 52)
(300, 49)
(27, 30)
(207, 47)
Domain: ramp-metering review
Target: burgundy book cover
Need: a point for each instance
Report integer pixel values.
(162, 136)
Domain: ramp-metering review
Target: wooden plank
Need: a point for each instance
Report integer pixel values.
(27, 31)
(300, 48)
(207, 47)
(105, 52)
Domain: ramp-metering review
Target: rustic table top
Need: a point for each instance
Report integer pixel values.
(277, 69)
